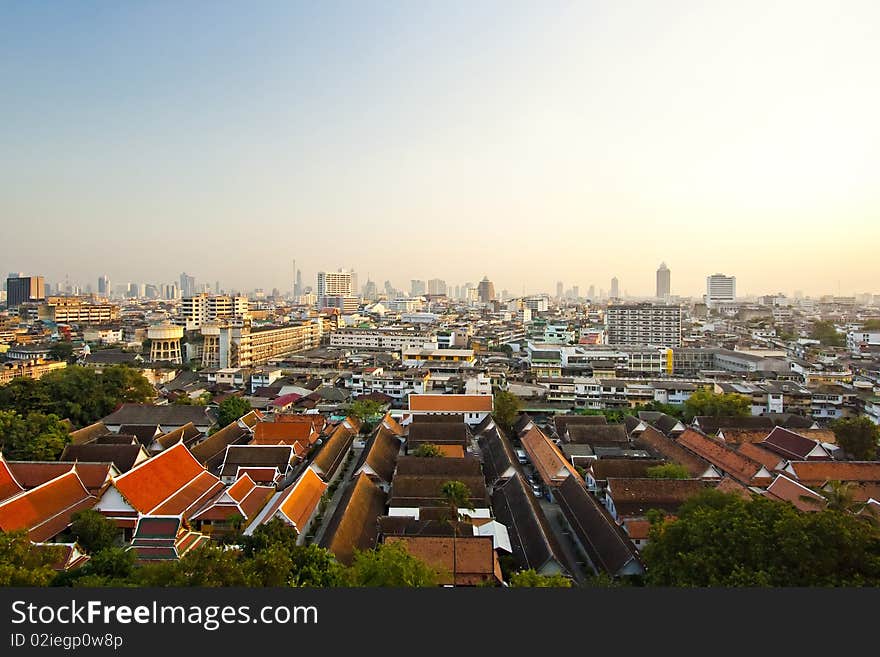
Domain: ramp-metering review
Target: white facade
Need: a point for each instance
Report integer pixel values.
(720, 289)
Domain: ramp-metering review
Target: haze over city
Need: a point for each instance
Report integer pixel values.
(530, 143)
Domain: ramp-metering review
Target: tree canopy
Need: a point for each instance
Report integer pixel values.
(506, 408)
(34, 437)
(232, 408)
(825, 332)
(24, 564)
(721, 539)
(390, 565)
(77, 393)
(93, 531)
(531, 578)
(427, 450)
(705, 402)
(857, 436)
(668, 471)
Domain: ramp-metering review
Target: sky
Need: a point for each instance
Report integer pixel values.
(530, 142)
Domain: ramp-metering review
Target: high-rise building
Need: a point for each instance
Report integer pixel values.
(644, 324)
(664, 286)
(104, 285)
(132, 290)
(559, 289)
(201, 308)
(370, 290)
(417, 288)
(720, 289)
(355, 289)
(334, 283)
(591, 293)
(486, 290)
(575, 292)
(298, 286)
(24, 289)
(187, 285)
(436, 286)
(615, 288)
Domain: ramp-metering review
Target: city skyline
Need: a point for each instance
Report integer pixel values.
(715, 137)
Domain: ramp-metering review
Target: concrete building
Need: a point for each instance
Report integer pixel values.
(165, 343)
(77, 310)
(644, 324)
(243, 346)
(857, 340)
(201, 308)
(31, 369)
(24, 289)
(384, 339)
(437, 286)
(187, 285)
(435, 358)
(720, 290)
(664, 280)
(486, 290)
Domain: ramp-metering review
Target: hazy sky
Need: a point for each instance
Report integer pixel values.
(532, 142)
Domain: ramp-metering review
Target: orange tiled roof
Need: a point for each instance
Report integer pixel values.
(462, 561)
(551, 463)
(737, 465)
(8, 485)
(757, 453)
(788, 490)
(818, 473)
(450, 403)
(170, 483)
(297, 504)
(243, 497)
(45, 511)
(285, 433)
(95, 476)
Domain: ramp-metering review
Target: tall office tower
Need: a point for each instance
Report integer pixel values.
(664, 280)
(720, 289)
(370, 290)
(24, 289)
(132, 290)
(187, 285)
(458, 291)
(615, 288)
(355, 289)
(298, 286)
(104, 285)
(643, 324)
(486, 290)
(334, 283)
(591, 293)
(416, 288)
(436, 286)
(558, 290)
(575, 292)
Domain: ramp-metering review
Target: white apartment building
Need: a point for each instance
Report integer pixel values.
(720, 289)
(643, 324)
(386, 340)
(861, 338)
(201, 308)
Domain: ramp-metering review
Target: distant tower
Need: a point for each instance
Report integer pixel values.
(615, 288)
(486, 290)
(559, 290)
(663, 282)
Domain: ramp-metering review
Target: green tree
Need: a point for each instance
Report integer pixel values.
(668, 471)
(61, 350)
(205, 566)
(857, 436)
(457, 496)
(304, 566)
(113, 566)
(36, 437)
(365, 410)
(871, 325)
(93, 531)
(826, 333)
(390, 565)
(24, 564)
(721, 539)
(531, 578)
(506, 408)
(23, 394)
(427, 450)
(705, 402)
(231, 409)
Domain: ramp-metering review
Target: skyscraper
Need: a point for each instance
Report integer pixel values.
(334, 283)
(720, 289)
(575, 292)
(615, 288)
(24, 289)
(558, 290)
(416, 287)
(436, 286)
(104, 285)
(486, 290)
(187, 285)
(664, 286)
(591, 293)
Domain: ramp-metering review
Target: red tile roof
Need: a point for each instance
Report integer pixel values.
(170, 483)
(95, 476)
(450, 403)
(550, 462)
(818, 473)
(8, 485)
(737, 465)
(45, 511)
(794, 446)
(297, 504)
(788, 490)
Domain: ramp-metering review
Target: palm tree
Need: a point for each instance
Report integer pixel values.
(457, 496)
(840, 496)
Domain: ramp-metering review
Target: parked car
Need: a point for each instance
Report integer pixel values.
(521, 457)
